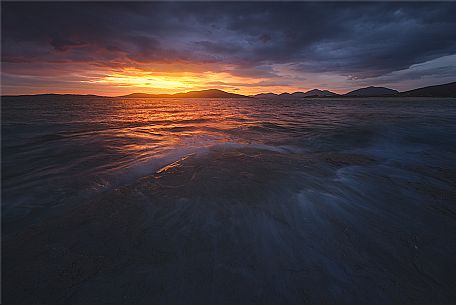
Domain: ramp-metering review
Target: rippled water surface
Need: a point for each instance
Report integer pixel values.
(228, 201)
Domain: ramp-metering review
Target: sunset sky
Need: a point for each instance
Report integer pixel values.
(119, 48)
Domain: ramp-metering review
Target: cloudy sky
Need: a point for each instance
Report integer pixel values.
(251, 47)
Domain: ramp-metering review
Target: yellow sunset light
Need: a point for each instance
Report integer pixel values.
(171, 82)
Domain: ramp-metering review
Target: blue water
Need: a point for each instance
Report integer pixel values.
(226, 201)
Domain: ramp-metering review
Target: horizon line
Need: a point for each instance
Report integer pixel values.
(201, 90)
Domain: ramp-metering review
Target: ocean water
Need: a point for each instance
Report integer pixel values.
(228, 201)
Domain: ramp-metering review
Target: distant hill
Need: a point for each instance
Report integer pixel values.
(144, 95)
(265, 95)
(51, 95)
(298, 94)
(372, 92)
(445, 90)
(319, 93)
(209, 93)
(310, 93)
(285, 95)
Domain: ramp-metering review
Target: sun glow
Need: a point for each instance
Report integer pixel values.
(139, 79)
(171, 82)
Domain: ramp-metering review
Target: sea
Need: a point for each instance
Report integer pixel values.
(228, 201)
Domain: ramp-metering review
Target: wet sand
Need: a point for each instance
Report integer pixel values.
(223, 228)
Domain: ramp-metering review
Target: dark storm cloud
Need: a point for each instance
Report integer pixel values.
(358, 40)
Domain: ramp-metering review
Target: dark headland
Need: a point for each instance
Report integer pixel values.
(372, 91)
(446, 90)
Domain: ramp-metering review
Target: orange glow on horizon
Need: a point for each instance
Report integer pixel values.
(130, 80)
(165, 78)
(170, 82)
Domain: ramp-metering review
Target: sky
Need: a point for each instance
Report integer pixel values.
(114, 48)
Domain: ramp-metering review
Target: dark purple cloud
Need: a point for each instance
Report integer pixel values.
(356, 40)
